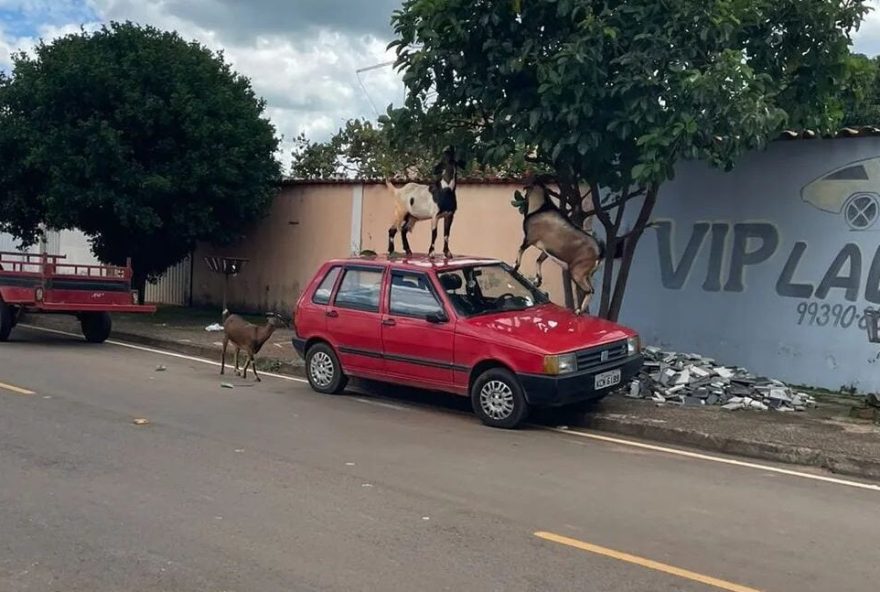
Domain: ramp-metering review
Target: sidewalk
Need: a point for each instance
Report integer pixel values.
(825, 437)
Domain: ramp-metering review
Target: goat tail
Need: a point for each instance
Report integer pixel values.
(390, 186)
(225, 314)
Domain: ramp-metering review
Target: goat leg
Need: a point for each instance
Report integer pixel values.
(522, 249)
(403, 232)
(539, 278)
(586, 285)
(433, 235)
(237, 371)
(392, 232)
(447, 226)
(223, 355)
(254, 368)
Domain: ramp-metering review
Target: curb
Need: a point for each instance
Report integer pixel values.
(838, 463)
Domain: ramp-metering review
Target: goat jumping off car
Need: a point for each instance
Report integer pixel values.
(248, 337)
(417, 201)
(548, 229)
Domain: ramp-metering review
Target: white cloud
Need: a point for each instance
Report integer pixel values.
(867, 39)
(307, 76)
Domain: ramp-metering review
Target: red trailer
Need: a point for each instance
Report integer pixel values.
(41, 283)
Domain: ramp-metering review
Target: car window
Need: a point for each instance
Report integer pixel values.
(488, 288)
(360, 289)
(322, 294)
(411, 296)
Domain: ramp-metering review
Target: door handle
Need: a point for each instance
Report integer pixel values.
(388, 322)
(332, 314)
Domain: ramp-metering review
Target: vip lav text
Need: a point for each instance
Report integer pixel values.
(754, 243)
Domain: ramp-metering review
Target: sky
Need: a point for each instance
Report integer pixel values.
(301, 55)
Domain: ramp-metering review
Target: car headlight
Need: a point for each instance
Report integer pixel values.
(633, 345)
(560, 364)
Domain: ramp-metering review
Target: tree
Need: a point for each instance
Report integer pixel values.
(611, 95)
(860, 93)
(144, 141)
(398, 146)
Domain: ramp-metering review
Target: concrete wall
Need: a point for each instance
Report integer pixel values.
(747, 267)
(309, 224)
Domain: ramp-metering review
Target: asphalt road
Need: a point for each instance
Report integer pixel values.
(272, 487)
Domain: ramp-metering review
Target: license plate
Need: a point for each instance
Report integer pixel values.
(607, 379)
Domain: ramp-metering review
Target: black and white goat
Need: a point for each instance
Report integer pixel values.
(415, 202)
(548, 229)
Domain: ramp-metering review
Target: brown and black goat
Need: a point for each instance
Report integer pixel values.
(248, 337)
(416, 201)
(548, 229)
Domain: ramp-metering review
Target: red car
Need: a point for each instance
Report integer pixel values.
(468, 326)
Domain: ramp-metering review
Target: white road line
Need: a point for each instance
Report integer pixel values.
(718, 459)
(579, 434)
(381, 404)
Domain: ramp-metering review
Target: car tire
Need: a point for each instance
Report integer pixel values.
(324, 371)
(498, 399)
(96, 326)
(7, 320)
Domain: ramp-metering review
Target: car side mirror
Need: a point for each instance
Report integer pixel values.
(436, 318)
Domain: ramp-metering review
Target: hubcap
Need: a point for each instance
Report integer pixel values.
(321, 369)
(496, 400)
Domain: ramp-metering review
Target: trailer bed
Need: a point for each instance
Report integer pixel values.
(42, 283)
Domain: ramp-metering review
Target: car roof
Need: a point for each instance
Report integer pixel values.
(419, 261)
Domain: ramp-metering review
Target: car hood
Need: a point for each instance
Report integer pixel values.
(548, 328)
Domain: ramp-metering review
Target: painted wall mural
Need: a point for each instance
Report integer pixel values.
(771, 266)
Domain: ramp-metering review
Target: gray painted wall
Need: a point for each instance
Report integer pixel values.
(746, 266)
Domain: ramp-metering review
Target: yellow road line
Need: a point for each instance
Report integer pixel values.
(646, 563)
(15, 389)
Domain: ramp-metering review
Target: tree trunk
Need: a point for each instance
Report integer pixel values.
(629, 252)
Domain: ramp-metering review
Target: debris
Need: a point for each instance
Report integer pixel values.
(349, 464)
(239, 450)
(214, 328)
(140, 421)
(161, 368)
(366, 484)
(227, 385)
(670, 378)
(426, 517)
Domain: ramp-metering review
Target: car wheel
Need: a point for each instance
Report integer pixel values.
(96, 326)
(324, 371)
(498, 399)
(7, 320)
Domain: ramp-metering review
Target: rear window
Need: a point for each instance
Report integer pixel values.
(360, 289)
(322, 294)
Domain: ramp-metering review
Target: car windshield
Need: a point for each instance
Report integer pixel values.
(483, 289)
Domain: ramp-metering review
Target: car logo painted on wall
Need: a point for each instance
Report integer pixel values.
(853, 191)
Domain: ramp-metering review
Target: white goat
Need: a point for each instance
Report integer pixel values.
(416, 201)
(248, 337)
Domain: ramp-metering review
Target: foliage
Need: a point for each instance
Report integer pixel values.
(860, 93)
(614, 94)
(144, 141)
(398, 146)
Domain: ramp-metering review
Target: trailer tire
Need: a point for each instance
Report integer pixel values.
(7, 320)
(96, 326)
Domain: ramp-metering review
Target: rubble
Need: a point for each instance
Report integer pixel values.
(670, 378)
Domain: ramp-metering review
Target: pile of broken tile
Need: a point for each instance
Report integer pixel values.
(670, 378)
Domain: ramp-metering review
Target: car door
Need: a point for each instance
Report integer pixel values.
(417, 350)
(354, 321)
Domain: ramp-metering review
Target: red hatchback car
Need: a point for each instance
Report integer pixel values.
(468, 326)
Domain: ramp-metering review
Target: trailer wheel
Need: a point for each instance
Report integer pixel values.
(96, 326)
(7, 320)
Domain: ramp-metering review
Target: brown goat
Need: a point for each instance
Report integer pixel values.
(248, 337)
(548, 229)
